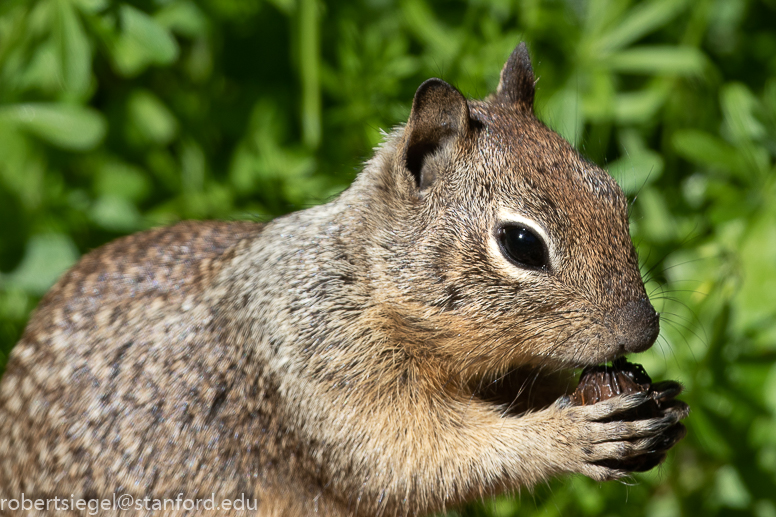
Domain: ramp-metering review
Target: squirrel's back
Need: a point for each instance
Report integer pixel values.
(97, 377)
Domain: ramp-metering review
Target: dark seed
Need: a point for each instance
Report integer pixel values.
(603, 382)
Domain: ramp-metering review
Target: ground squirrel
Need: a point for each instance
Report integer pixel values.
(401, 349)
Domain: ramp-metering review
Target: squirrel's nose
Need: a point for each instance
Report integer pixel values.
(638, 326)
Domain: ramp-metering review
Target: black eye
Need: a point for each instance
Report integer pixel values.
(523, 247)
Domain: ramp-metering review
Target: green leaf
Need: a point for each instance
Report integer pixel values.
(115, 214)
(769, 396)
(119, 179)
(73, 49)
(74, 128)
(590, 501)
(184, 18)
(21, 169)
(193, 166)
(599, 90)
(739, 107)
(503, 507)
(729, 489)
(635, 171)
(639, 106)
(711, 440)
(427, 28)
(150, 119)
(658, 222)
(91, 6)
(42, 71)
(704, 149)
(309, 44)
(684, 61)
(142, 42)
(644, 18)
(562, 114)
(45, 259)
(599, 14)
(664, 505)
(285, 6)
(756, 300)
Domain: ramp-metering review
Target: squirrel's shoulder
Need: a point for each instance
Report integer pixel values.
(168, 259)
(158, 270)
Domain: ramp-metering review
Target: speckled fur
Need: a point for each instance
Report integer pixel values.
(339, 360)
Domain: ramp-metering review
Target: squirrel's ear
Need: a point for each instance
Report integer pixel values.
(439, 113)
(516, 85)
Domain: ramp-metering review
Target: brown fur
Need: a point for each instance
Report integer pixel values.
(374, 356)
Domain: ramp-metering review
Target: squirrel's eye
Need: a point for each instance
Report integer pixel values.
(523, 247)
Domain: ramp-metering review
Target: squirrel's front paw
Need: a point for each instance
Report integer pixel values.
(613, 438)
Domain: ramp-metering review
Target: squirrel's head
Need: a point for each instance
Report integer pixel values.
(497, 243)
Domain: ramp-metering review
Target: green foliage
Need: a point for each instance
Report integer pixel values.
(118, 116)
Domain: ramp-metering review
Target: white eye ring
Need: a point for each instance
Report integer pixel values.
(509, 218)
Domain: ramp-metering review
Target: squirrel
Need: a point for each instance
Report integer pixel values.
(403, 349)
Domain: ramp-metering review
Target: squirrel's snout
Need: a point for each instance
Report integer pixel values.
(639, 325)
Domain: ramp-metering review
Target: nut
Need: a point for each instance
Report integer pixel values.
(603, 382)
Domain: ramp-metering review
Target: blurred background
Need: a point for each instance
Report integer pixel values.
(119, 116)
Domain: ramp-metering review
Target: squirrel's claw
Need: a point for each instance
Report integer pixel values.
(617, 438)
